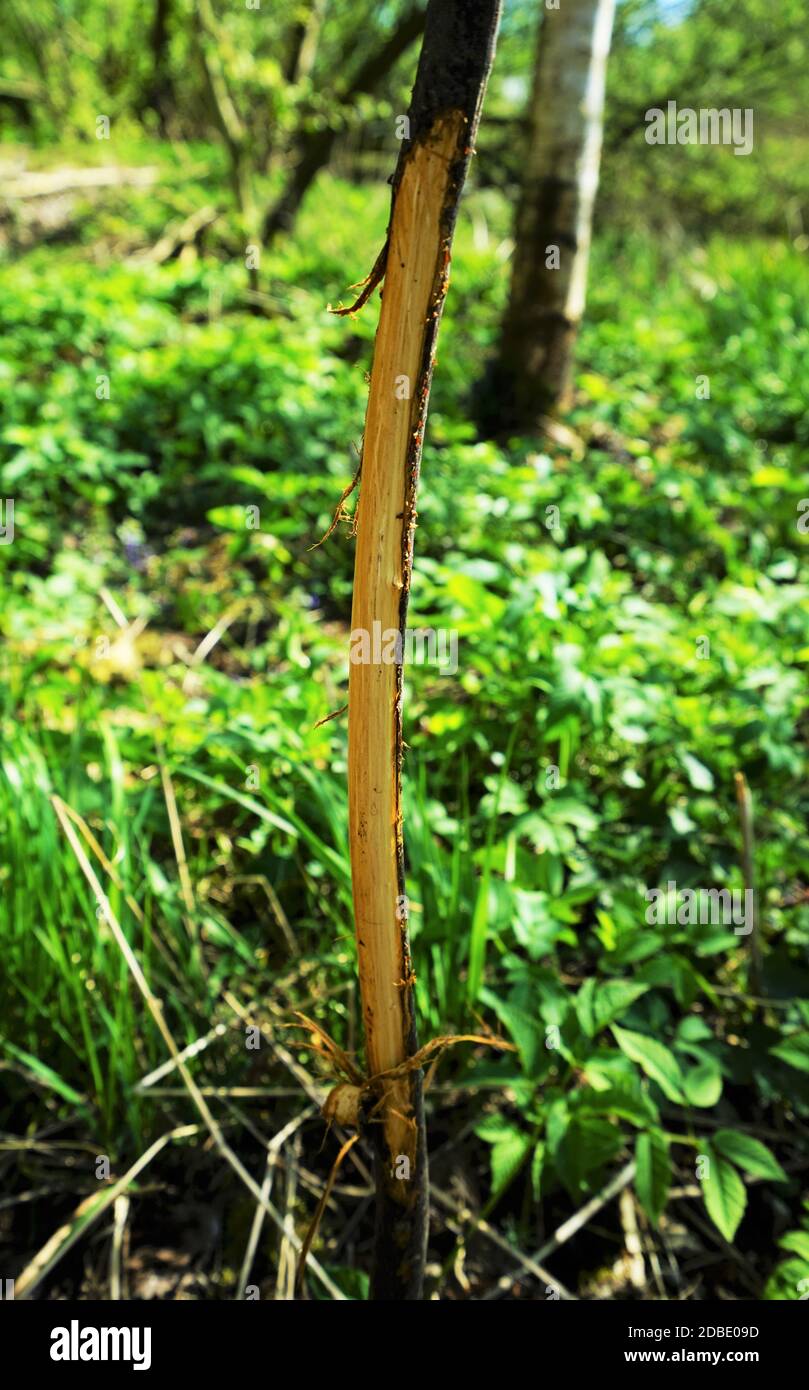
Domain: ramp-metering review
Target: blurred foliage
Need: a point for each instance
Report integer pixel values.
(291, 71)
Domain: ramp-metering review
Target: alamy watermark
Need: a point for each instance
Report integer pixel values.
(76, 1343)
(423, 646)
(687, 907)
(704, 127)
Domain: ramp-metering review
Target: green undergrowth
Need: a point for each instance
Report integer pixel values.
(630, 611)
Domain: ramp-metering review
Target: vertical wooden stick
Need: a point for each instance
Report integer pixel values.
(455, 60)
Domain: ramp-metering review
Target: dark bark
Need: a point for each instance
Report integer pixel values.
(400, 1232)
(314, 148)
(159, 94)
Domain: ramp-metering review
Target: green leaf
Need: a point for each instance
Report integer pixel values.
(789, 1280)
(681, 822)
(794, 1050)
(45, 1074)
(693, 1029)
(588, 1142)
(627, 1100)
(724, 1193)
(654, 1058)
(653, 1176)
(598, 1004)
(748, 1153)
(797, 1241)
(510, 1148)
(703, 1084)
(606, 1070)
(354, 1283)
(584, 1007)
(698, 774)
(525, 1029)
(537, 1163)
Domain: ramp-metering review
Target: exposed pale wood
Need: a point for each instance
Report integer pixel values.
(412, 293)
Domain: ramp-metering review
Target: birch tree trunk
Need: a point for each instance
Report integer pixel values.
(455, 59)
(531, 375)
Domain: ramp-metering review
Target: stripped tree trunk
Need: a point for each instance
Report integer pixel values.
(531, 374)
(455, 60)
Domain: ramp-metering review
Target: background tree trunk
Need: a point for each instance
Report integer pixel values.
(455, 59)
(223, 108)
(302, 50)
(531, 374)
(159, 95)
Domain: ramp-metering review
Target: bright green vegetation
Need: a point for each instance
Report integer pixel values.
(584, 751)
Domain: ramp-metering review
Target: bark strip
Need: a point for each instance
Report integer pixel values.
(455, 60)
